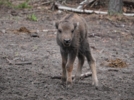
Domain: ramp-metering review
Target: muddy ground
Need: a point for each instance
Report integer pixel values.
(28, 60)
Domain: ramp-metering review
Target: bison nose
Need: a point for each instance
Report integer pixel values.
(67, 41)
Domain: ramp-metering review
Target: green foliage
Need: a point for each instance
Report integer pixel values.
(20, 6)
(23, 5)
(6, 3)
(33, 17)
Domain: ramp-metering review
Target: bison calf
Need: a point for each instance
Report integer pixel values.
(73, 41)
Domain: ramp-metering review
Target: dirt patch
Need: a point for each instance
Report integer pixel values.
(23, 29)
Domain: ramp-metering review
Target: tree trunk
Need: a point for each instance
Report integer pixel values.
(115, 7)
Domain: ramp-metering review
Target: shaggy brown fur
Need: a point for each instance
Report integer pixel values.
(73, 41)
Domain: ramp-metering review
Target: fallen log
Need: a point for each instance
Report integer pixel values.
(60, 7)
(128, 14)
(85, 75)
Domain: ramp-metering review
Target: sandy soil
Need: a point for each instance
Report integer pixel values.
(27, 62)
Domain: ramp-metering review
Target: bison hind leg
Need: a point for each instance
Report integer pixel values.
(92, 64)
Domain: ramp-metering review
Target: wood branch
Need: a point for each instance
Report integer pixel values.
(49, 30)
(11, 62)
(22, 63)
(85, 75)
(94, 3)
(60, 7)
(128, 14)
(113, 69)
(44, 3)
(84, 3)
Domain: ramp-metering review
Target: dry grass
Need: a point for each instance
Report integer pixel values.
(117, 63)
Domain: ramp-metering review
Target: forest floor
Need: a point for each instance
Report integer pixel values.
(28, 59)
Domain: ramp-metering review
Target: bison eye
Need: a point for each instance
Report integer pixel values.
(59, 31)
(72, 31)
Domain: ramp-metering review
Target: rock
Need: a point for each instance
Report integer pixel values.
(3, 31)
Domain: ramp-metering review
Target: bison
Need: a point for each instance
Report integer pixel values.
(73, 42)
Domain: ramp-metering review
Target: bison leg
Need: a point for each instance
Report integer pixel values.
(69, 66)
(92, 65)
(80, 64)
(64, 61)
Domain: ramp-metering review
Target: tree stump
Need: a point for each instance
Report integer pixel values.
(115, 7)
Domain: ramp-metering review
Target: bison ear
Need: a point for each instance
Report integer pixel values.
(56, 24)
(76, 25)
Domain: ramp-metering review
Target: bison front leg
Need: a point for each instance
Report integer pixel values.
(69, 67)
(64, 62)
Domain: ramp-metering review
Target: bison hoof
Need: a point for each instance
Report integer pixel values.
(95, 83)
(63, 79)
(69, 85)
